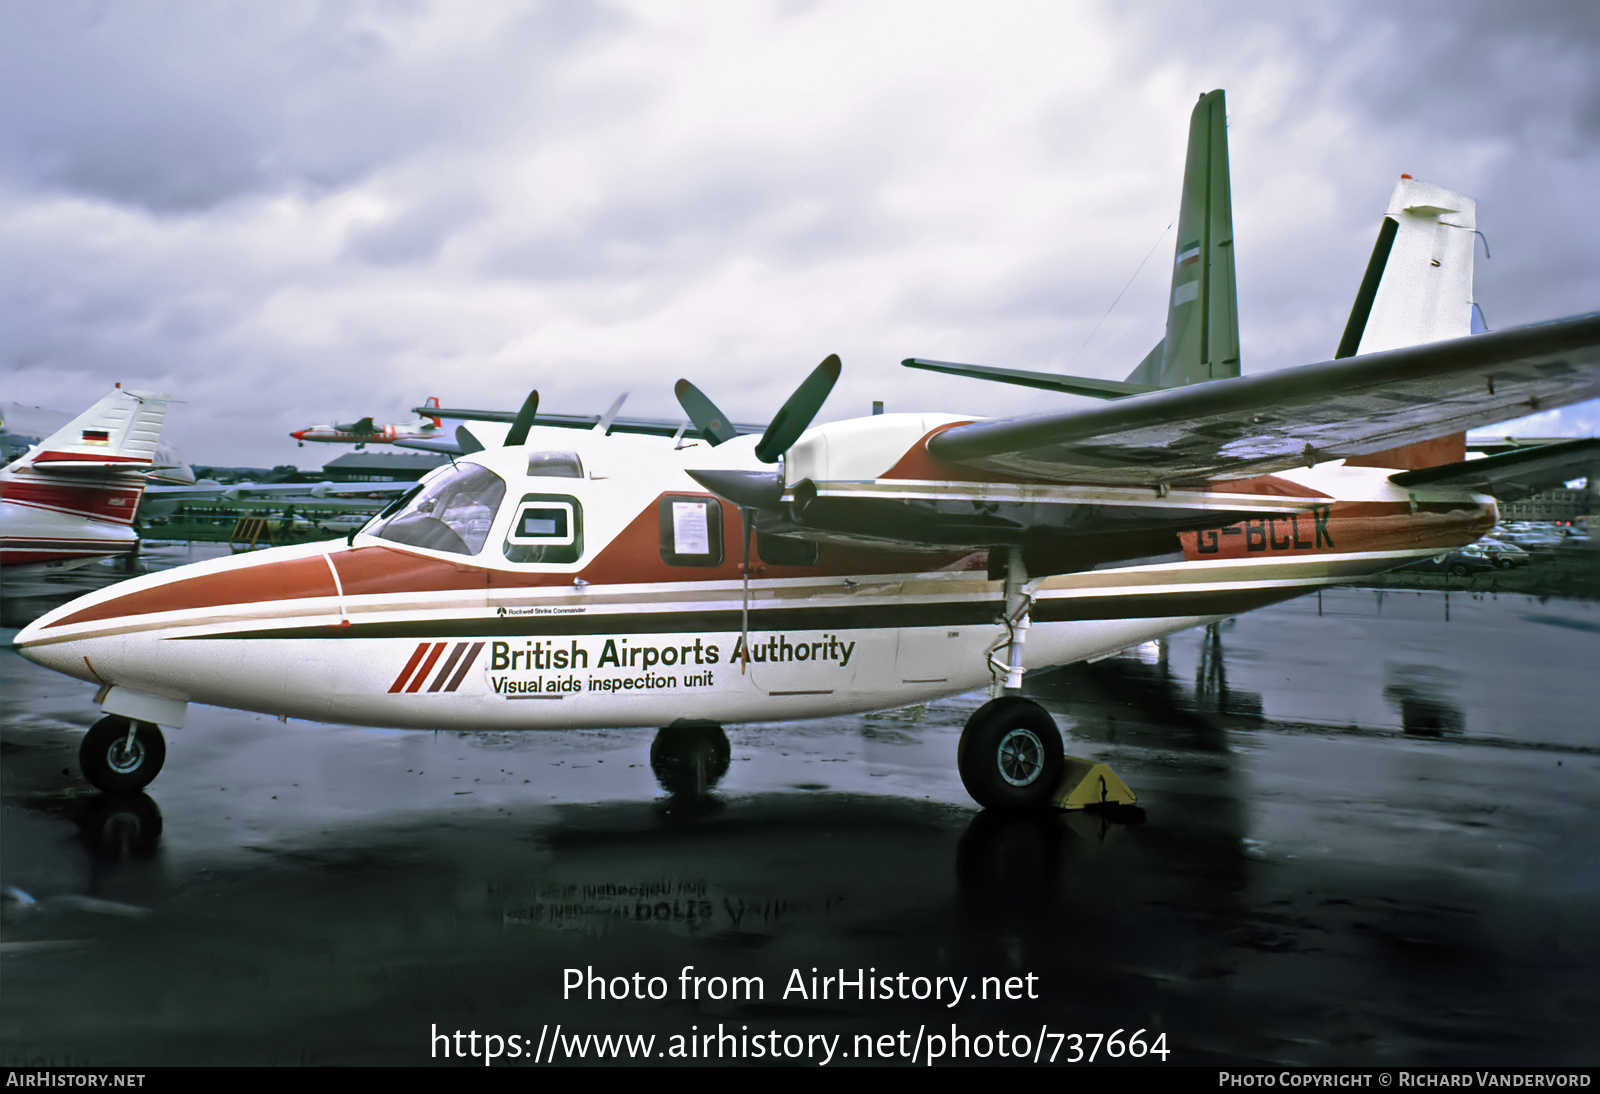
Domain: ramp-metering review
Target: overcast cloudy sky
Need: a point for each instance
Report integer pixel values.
(290, 211)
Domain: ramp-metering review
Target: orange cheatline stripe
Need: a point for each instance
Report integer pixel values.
(405, 673)
(422, 673)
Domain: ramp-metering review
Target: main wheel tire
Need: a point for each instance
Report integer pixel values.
(111, 765)
(1010, 755)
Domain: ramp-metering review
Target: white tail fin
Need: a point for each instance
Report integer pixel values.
(121, 431)
(1418, 285)
(1417, 289)
(74, 496)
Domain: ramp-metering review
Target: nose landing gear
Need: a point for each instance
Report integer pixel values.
(119, 755)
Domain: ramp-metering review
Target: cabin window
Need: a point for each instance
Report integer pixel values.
(555, 465)
(451, 513)
(691, 530)
(785, 550)
(545, 528)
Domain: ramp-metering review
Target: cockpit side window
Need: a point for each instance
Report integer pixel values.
(452, 513)
(545, 528)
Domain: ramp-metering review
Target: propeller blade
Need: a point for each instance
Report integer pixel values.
(706, 416)
(603, 426)
(470, 444)
(524, 422)
(794, 417)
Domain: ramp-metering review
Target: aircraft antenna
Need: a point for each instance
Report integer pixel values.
(1125, 288)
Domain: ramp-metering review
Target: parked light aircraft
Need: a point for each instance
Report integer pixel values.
(364, 432)
(561, 580)
(73, 497)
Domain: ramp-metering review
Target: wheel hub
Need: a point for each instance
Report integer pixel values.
(1021, 756)
(124, 758)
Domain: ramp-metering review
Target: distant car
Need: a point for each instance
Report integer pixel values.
(1533, 541)
(1504, 555)
(1468, 560)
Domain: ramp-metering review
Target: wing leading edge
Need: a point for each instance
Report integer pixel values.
(1253, 425)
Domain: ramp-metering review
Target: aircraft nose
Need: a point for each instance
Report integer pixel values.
(65, 657)
(298, 434)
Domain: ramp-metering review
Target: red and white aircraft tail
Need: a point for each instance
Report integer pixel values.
(73, 497)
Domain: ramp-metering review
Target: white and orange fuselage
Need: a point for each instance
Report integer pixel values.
(424, 430)
(366, 431)
(48, 519)
(500, 599)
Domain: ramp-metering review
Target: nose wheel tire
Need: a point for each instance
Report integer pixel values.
(1010, 755)
(113, 763)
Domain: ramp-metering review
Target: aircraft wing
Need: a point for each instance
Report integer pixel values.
(440, 446)
(216, 491)
(1511, 476)
(1253, 425)
(653, 427)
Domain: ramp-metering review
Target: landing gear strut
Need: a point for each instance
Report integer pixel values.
(119, 755)
(1010, 755)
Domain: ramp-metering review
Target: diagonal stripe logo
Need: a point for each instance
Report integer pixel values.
(425, 656)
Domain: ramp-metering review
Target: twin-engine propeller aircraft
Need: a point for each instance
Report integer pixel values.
(364, 432)
(563, 580)
(72, 498)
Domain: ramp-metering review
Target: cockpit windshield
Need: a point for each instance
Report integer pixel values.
(452, 513)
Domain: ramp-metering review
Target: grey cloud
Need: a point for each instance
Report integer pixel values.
(417, 233)
(1480, 67)
(676, 220)
(178, 114)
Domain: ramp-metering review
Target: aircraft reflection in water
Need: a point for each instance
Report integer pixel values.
(547, 583)
(1294, 888)
(1421, 695)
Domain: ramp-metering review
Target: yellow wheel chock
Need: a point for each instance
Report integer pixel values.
(1085, 783)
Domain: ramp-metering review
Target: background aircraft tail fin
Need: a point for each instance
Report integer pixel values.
(1202, 339)
(1417, 289)
(122, 430)
(1202, 333)
(1418, 284)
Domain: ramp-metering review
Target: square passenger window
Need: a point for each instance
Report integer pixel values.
(691, 530)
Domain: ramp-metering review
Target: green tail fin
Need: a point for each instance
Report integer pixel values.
(1202, 340)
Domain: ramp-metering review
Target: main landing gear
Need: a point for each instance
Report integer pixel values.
(119, 755)
(1010, 755)
(1011, 760)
